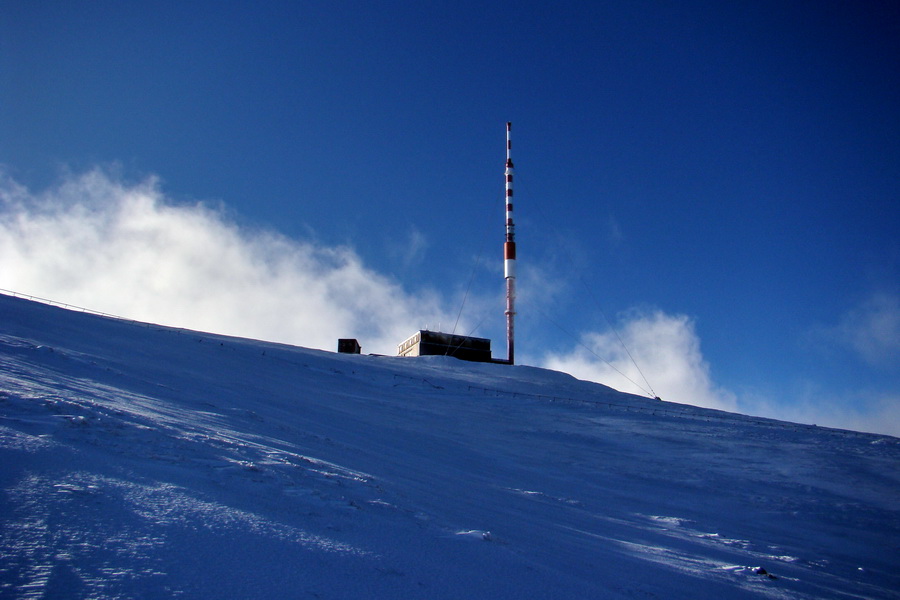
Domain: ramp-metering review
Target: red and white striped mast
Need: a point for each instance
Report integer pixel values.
(509, 253)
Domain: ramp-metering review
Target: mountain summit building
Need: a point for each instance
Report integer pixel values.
(435, 343)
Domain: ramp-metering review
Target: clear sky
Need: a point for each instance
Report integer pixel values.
(719, 181)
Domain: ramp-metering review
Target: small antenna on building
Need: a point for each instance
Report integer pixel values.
(509, 253)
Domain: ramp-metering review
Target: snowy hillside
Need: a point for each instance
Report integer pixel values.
(139, 461)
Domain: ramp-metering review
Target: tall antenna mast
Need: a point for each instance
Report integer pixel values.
(509, 253)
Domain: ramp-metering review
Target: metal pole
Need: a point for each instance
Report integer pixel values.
(509, 253)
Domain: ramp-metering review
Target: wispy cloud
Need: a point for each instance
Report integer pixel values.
(811, 403)
(864, 345)
(127, 249)
(666, 357)
(410, 252)
(872, 330)
(614, 234)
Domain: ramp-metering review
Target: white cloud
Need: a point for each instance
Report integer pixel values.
(665, 347)
(123, 249)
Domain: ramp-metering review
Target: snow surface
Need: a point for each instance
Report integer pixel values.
(140, 461)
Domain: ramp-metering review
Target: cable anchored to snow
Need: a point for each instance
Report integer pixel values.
(649, 389)
(621, 341)
(479, 258)
(591, 350)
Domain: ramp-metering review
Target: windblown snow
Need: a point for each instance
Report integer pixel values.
(138, 461)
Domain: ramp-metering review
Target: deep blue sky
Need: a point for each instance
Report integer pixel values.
(738, 163)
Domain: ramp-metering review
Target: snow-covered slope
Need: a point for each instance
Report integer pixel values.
(139, 461)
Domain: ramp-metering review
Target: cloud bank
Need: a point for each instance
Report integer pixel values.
(126, 249)
(665, 347)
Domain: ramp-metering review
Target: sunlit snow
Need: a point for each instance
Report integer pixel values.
(146, 462)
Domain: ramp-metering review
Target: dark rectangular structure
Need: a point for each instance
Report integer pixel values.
(349, 346)
(435, 343)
